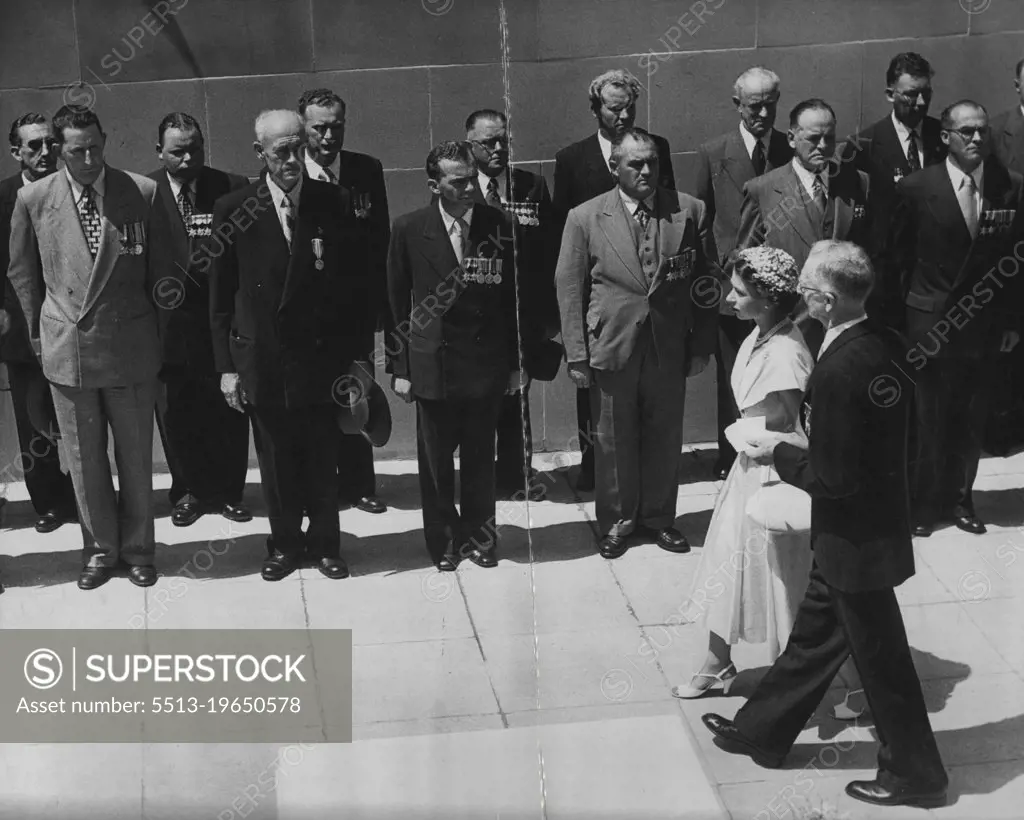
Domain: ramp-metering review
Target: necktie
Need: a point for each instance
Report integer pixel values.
(185, 204)
(92, 225)
(642, 215)
(913, 155)
(492, 197)
(819, 193)
(969, 203)
(463, 238)
(758, 158)
(330, 177)
(288, 209)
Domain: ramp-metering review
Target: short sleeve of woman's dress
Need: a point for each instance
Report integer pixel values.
(784, 363)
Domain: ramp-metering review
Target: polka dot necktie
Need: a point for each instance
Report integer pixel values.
(493, 197)
(92, 225)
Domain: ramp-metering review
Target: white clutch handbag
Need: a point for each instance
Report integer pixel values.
(780, 507)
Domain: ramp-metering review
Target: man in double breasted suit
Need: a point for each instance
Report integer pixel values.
(582, 172)
(633, 332)
(51, 491)
(724, 165)
(855, 412)
(363, 176)
(952, 243)
(289, 316)
(523, 197)
(205, 441)
(454, 350)
(80, 256)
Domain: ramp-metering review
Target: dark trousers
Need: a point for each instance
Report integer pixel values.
(731, 333)
(515, 441)
(831, 625)
(585, 425)
(951, 398)
(206, 442)
(356, 476)
(638, 414)
(298, 471)
(48, 487)
(441, 427)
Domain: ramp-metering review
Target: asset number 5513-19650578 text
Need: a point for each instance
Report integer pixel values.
(236, 706)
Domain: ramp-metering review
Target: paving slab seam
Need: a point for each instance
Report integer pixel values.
(483, 654)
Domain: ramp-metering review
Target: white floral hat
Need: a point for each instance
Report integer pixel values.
(772, 270)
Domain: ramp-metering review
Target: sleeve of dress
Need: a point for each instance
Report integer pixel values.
(786, 366)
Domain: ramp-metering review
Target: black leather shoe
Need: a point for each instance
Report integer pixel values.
(50, 521)
(672, 540)
(186, 513)
(371, 504)
(333, 568)
(734, 741)
(142, 576)
(448, 563)
(922, 530)
(871, 791)
(613, 546)
(970, 523)
(482, 558)
(585, 482)
(278, 566)
(236, 512)
(93, 577)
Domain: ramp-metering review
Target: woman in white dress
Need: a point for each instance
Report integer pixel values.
(750, 581)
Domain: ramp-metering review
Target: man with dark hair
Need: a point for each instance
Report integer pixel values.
(634, 330)
(206, 442)
(51, 491)
(523, 197)
(814, 197)
(582, 172)
(953, 225)
(80, 266)
(455, 350)
(899, 144)
(724, 165)
(325, 159)
(1008, 127)
(278, 292)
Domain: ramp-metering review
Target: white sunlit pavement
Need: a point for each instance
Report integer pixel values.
(532, 690)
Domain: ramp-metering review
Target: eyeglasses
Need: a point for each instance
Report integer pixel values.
(913, 98)
(35, 146)
(968, 133)
(492, 143)
(805, 289)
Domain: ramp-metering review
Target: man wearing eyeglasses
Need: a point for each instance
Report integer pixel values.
(324, 114)
(899, 144)
(955, 225)
(1008, 127)
(53, 497)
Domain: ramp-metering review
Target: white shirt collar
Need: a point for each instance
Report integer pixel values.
(749, 140)
(631, 204)
(606, 148)
(904, 135)
(449, 220)
(807, 178)
(836, 331)
(483, 180)
(956, 176)
(99, 187)
(278, 195)
(176, 188)
(316, 170)
(26, 179)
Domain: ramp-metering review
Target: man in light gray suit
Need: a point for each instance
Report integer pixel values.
(79, 266)
(627, 275)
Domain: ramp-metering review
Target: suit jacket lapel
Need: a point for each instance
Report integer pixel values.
(115, 197)
(842, 340)
(179, 234)
(887, 143)
(671, 227)
(595, 159)
(779, 152)
(619, 233)
(789, 184)
(944, 205)
(736, 163)
(74, 247)
(995, 185)
(305, 231)
(845, 195)
(437, 247)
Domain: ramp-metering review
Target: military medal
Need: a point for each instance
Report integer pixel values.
(134, 237)
(318, 251)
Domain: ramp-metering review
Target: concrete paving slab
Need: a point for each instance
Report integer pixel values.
(978, 719)
(993, 791)
(945, 631)
(430, 726)
(226, 603)
(1001, 620)
(118, 604)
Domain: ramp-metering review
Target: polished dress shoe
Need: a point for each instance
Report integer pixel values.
(142, 575)
(332, 567)
(613, 546)
(922, 530)
(186, 513)
(236, 512)
(50, 521)
(93, 577)
(970, 523)
(672, 540)
(371, 504)
(724, 730)
(482, 558)
(871, 791)
(448, 563)
(278, 566)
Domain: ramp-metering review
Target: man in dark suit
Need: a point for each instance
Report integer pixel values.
(1008, 128)
(633, 332)
(814, 197)
(290, 315)
(51, 491)
(954, 229)
(80, 266)
(905, 141)
(724, 165)
(455, 351)
(363, 175)
(855, 412)
(205, 441)
(523, 197)
(582, 172)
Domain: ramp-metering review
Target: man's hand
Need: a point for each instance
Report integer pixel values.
(231, 389)
(402, 388)
(5, 322)
(580, 374)
(517, 380)
(1010, 340)
(761, 452)
(697, 365)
